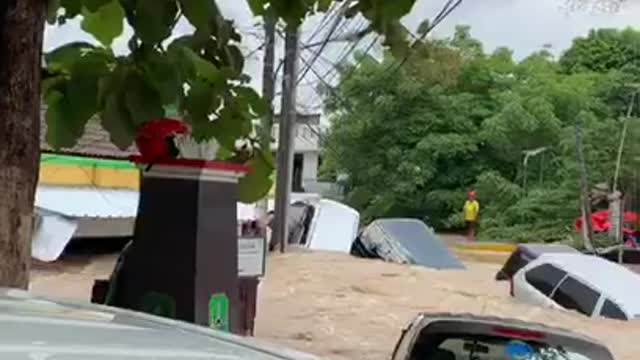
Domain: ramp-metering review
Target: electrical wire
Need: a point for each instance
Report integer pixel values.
(394, 67)
(332, 29)
(328, 16)
(347, 51)
(444, 12)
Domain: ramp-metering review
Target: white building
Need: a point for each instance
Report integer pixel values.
(307, 149)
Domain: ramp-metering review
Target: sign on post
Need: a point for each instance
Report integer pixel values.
(219, 312)
(251, 257)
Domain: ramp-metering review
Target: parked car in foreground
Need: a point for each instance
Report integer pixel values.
(588, 284)
(35, 328)
(405, 241)
(462, 337)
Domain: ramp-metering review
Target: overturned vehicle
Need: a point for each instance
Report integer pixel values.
(323, 224)
(404, 241)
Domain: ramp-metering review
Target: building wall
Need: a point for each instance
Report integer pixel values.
(305, 138)
(82, 171)
(310, 166)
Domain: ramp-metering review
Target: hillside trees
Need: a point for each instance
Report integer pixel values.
(456, 118)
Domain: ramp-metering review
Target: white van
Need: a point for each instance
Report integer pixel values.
(333, 227)
(588, 284)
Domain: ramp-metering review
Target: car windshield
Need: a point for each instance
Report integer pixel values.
(497, 348)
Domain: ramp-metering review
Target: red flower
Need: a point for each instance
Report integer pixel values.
(154, 137)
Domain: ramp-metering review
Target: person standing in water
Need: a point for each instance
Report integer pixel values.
(471, 210)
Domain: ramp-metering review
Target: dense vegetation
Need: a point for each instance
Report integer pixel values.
(413, 139)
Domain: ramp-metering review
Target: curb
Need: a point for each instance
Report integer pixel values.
(485, 246)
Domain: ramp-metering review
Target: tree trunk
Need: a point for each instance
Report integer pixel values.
(21, 32)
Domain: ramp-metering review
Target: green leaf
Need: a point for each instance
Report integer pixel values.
(142, 100)
(200, 102)
(202, 67)
(393, 10)
(94, 5)
(232, 123)
(112, 83)
(82, 92)
(163, 76)
(323, 5)
(72, 8)
(234, 59)
(65, 56)
(52, 11)
(155, 19)
(117, 121)
(257, 7)
(73, 101)
(64, 128)
(257, 103)
(257, 183)
(106, 23)
(199, 13)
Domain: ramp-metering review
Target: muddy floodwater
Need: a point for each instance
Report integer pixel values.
(341, 307)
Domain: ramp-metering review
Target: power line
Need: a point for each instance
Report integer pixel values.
(392, 69)
(334, 26)
(444, 12)
(327, 85)
(328, 16)
(363, 56)
(347, 51)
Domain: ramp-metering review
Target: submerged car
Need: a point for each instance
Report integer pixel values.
(587, 284)
(446, 336)
(525, 253)
(36, 328)
(405, 241)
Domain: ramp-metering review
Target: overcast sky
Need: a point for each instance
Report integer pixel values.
(522, 25)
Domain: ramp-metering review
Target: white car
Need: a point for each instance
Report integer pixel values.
(35, 328)
(443, 336)
(588, 284)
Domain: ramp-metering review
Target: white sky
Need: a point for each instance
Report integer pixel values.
(522, 25)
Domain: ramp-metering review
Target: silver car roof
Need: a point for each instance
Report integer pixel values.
(37, 328)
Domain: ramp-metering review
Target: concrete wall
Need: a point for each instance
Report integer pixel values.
(309, 166)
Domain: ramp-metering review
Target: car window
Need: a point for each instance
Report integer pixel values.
(545, 278)
(494, 348)
(574, 295)
(613, 311)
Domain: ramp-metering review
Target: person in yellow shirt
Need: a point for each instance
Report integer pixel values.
(471, 210)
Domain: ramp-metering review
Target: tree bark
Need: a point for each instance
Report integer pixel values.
(21, 32)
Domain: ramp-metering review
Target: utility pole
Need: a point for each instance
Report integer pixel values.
(268, 90)
(288, 113)
(268, 77)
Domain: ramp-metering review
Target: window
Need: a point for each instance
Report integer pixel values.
(545, 278)
(611, 310)
(574, 295)
(486, 347)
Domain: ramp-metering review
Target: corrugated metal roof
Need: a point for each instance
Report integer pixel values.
(94, 202)
(88, 201)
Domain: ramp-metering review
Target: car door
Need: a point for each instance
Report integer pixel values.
(573, 294)
(538, 284)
